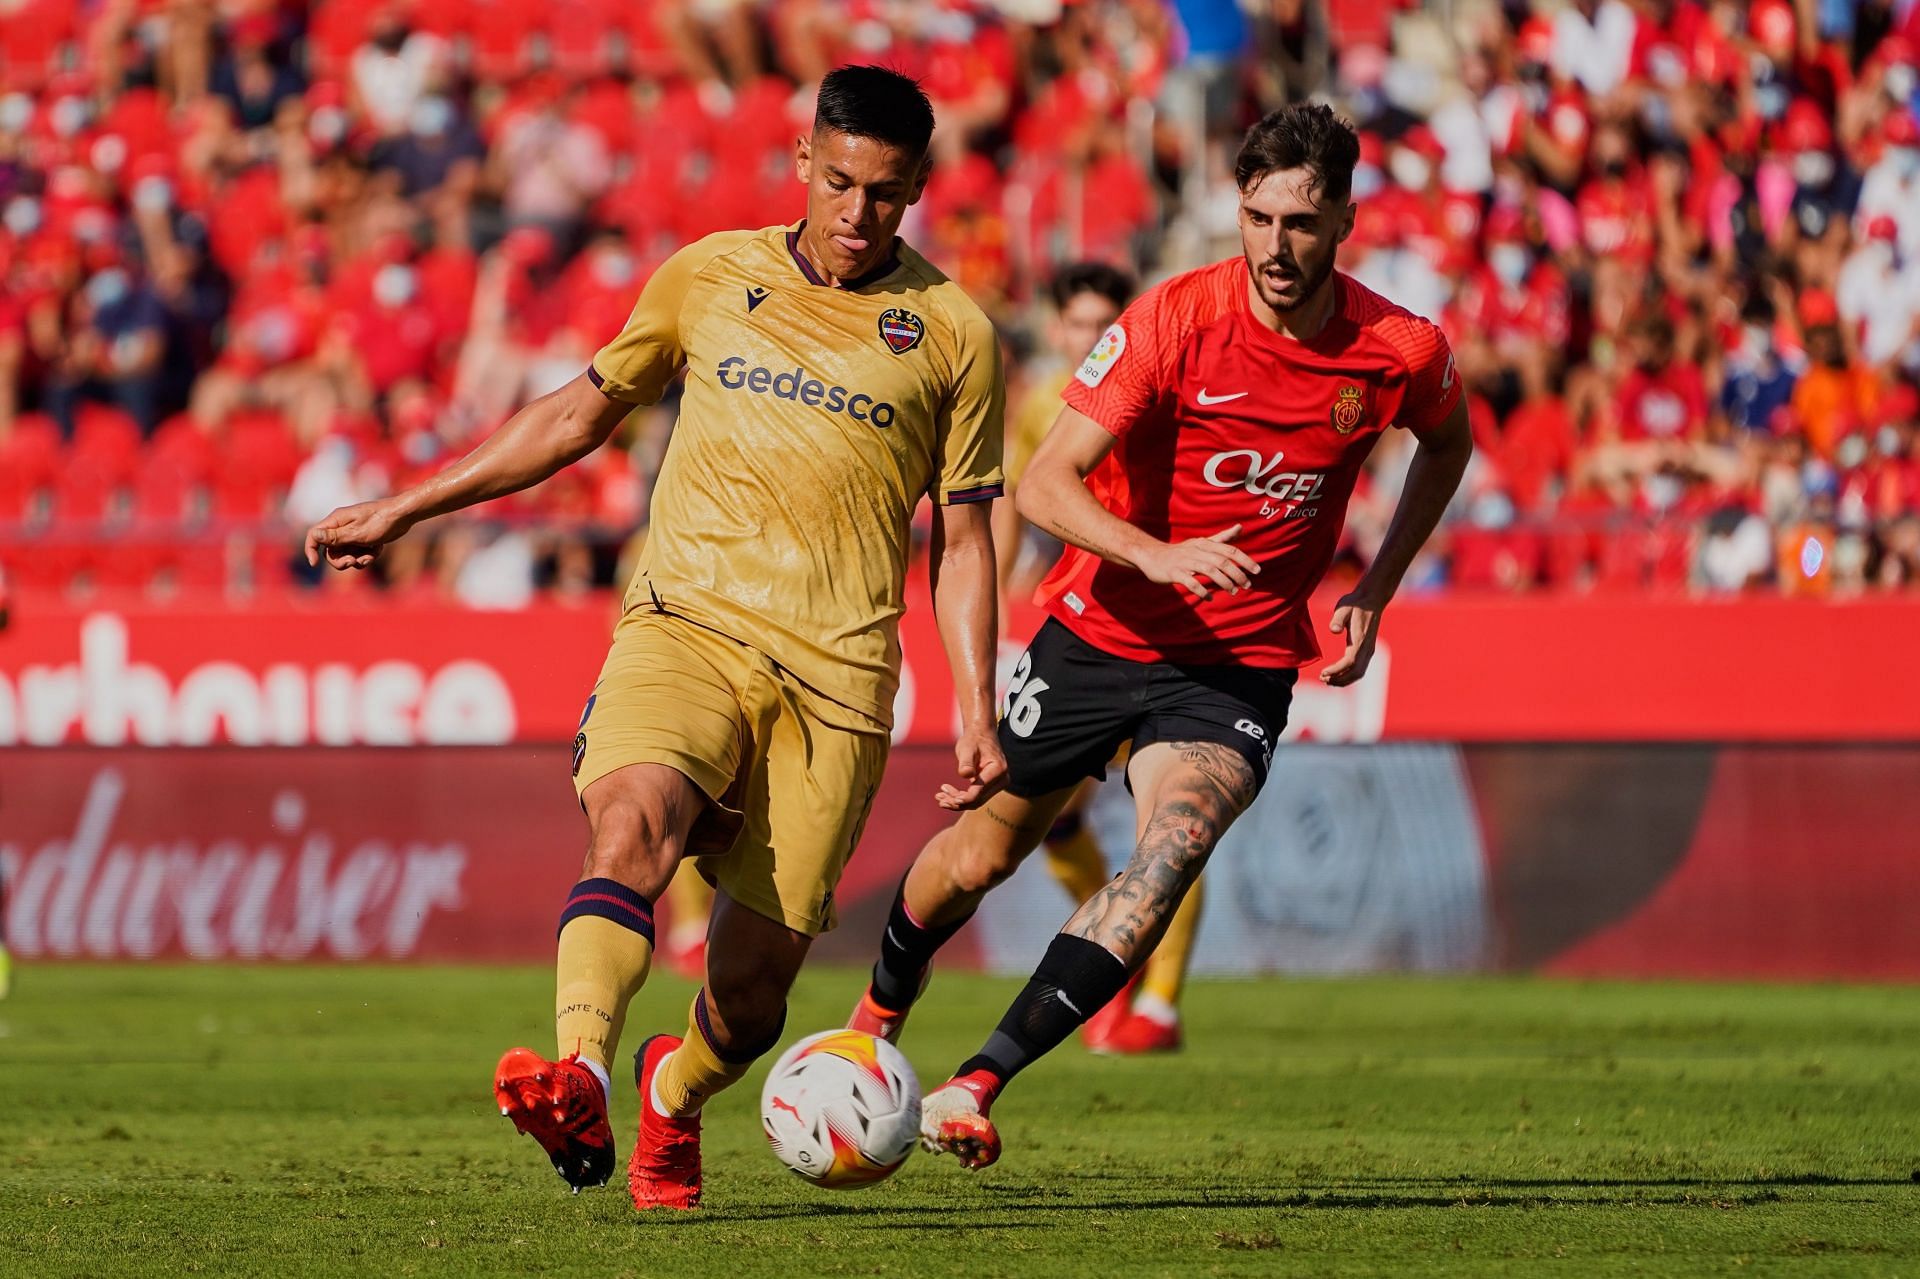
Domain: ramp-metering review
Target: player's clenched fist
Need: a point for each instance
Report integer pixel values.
(352, 535)
(1201, 563)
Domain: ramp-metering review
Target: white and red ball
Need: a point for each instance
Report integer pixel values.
(841, 1108)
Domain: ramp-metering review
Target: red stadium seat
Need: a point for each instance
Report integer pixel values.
(581, 34)
(448, 19)
(49, 563)
(256, 466)
(335, 31)
(29, 465)
(502, 37)
(607, 108)
(171, 489)
(649, 53)
(105, 430)
(34, 39)
(96, 473)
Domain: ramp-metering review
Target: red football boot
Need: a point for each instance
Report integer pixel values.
(664, 1171)
(562, 1106)
(1142, 1034)
(872, 1017)
(953, 1120)
(1097, 1031)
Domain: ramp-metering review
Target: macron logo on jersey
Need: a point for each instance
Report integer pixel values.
(1093, 369)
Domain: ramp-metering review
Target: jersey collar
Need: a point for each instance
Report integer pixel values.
(874, 276)
(1332, 336)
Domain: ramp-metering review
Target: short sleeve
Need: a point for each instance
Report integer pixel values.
(637, 365)
(1433, 384)
(972, 422)
(1123, 377)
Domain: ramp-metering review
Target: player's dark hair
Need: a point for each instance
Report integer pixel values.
(878, 103)
(1075, 278)
(1301, 136)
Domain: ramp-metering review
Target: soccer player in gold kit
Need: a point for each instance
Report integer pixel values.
(833, 377)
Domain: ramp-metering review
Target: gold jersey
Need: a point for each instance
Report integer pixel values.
(1039, 408)
(814, 418)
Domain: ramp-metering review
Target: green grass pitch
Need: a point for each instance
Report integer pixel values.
(170, 1120)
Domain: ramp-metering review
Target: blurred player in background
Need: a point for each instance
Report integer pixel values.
(1201, 471)
(833, 379)
(1087, 298)
(689, 907)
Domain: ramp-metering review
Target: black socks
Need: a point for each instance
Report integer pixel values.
(1076, 979)
(906, 948)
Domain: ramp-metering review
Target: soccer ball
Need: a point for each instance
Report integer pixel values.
(841, 1108)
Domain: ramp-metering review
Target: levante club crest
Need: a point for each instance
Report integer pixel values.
(1347, 410)
(901, 329)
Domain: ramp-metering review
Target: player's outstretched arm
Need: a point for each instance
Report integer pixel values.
(965, 604)
(1054, 495)
(542, 438)
(1439, 460)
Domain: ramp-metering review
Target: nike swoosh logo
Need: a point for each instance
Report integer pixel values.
(1204, 398)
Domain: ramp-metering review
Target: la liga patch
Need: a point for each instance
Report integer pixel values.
(1112, 344)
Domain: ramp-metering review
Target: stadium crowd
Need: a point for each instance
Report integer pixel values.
(262, 257)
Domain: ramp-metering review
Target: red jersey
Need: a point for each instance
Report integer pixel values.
(1668, 404)
(1221, 421)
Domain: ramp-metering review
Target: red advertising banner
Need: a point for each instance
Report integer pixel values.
(1459, 669)
(1771, 863)
(1630, 860)
(357, 854)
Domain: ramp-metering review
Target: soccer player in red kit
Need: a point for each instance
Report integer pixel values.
(1200, 474)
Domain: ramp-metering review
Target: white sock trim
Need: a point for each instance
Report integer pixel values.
(599, 1072)
(1156, 1009)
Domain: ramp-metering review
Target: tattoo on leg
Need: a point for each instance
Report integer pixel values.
(988, 810)
(1225, 769)
(1194, 808)
(1031, 830)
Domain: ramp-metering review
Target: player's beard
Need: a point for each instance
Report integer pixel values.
(1295, 292)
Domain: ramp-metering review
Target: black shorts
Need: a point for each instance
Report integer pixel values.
(1070, 707)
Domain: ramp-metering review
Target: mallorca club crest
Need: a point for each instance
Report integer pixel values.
(1348, 409)
(901, 329)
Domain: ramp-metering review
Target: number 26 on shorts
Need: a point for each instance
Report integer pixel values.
(1021, 711)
